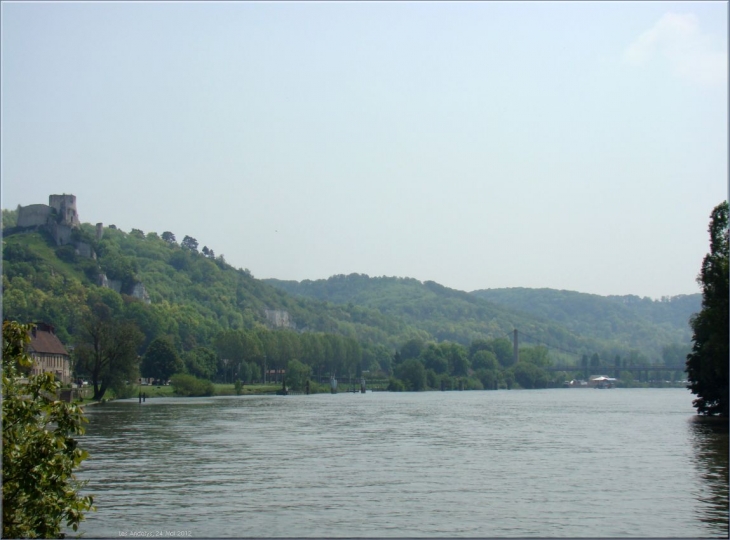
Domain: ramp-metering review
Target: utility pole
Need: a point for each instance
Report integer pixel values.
(516, 352)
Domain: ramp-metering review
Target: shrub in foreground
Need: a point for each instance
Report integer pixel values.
(39, 451)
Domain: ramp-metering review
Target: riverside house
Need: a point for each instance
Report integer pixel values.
(48, 353)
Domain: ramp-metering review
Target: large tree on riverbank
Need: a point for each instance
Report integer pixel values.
(161, 360)
(707, 364)
(108, 350)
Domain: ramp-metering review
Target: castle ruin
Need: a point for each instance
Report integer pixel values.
(59, 217)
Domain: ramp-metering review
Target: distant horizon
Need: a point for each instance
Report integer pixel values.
(566, 145)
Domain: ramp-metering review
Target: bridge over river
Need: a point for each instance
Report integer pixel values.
(642, 371)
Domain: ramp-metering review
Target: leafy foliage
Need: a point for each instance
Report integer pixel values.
(201, 362)
(216, 317)
(413, 374)
(707, 364)
(563, 320)
(108, 350)
(529, 375)
(631, 321)
(40, 454)
(297, 375)
(161, 360)
(10, 218)
(190, 386)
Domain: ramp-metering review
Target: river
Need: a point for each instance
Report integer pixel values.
(549, 463)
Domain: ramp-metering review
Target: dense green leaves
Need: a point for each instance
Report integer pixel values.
(617, 321)
(219, 319)
(108, 350)
(485, 360)
(40, 453)
(161, 360)
(201, 362)
(413, 374)
(297, 375)
(529, 375)
(189, 386)
(707, 364)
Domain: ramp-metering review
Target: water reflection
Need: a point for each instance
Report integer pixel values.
(710, 443)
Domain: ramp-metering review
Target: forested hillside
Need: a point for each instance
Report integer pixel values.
(189, 296)
(224, 323)
(458, 316)
(641, 322)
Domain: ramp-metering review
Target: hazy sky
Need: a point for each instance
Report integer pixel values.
(576, 146)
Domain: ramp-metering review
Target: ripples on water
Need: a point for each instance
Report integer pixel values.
(489, 464)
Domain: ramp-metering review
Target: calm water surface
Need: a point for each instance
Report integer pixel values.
(562, 462)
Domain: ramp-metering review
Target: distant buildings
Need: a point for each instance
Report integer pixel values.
(48, 353)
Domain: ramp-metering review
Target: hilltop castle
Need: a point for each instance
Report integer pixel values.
(59, 217)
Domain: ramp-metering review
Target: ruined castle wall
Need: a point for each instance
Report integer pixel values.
(61, 233)
(85, 250)
(33, 215)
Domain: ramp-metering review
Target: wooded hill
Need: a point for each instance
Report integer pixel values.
(195, 295)
(569, 323)
(639, 322)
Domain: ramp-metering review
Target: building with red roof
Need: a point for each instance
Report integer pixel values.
(48, 353)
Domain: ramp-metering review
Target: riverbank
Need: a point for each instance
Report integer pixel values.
(151, 392)
(221, 389)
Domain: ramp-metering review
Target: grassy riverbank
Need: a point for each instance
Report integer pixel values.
(152, 392)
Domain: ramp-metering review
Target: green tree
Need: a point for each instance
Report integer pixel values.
(395, 385)
(190, 243)
(107, 350)
(484, 359)
(413, 374)
(297, 374)
(489, 378)
(675, 354)
(707, 364)
(161, 360)
(411, 349)
(529, 375)
(478, 345)
(537, 356)
(201, 362)
(502, 347)
(433, 359)
(595, 361)
(189, 386)
(40, 453)
(10, 217)
(457, 357)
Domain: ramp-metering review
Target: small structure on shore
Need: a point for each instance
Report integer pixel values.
(603, 382)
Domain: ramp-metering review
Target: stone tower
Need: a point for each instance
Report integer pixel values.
(65, 206)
